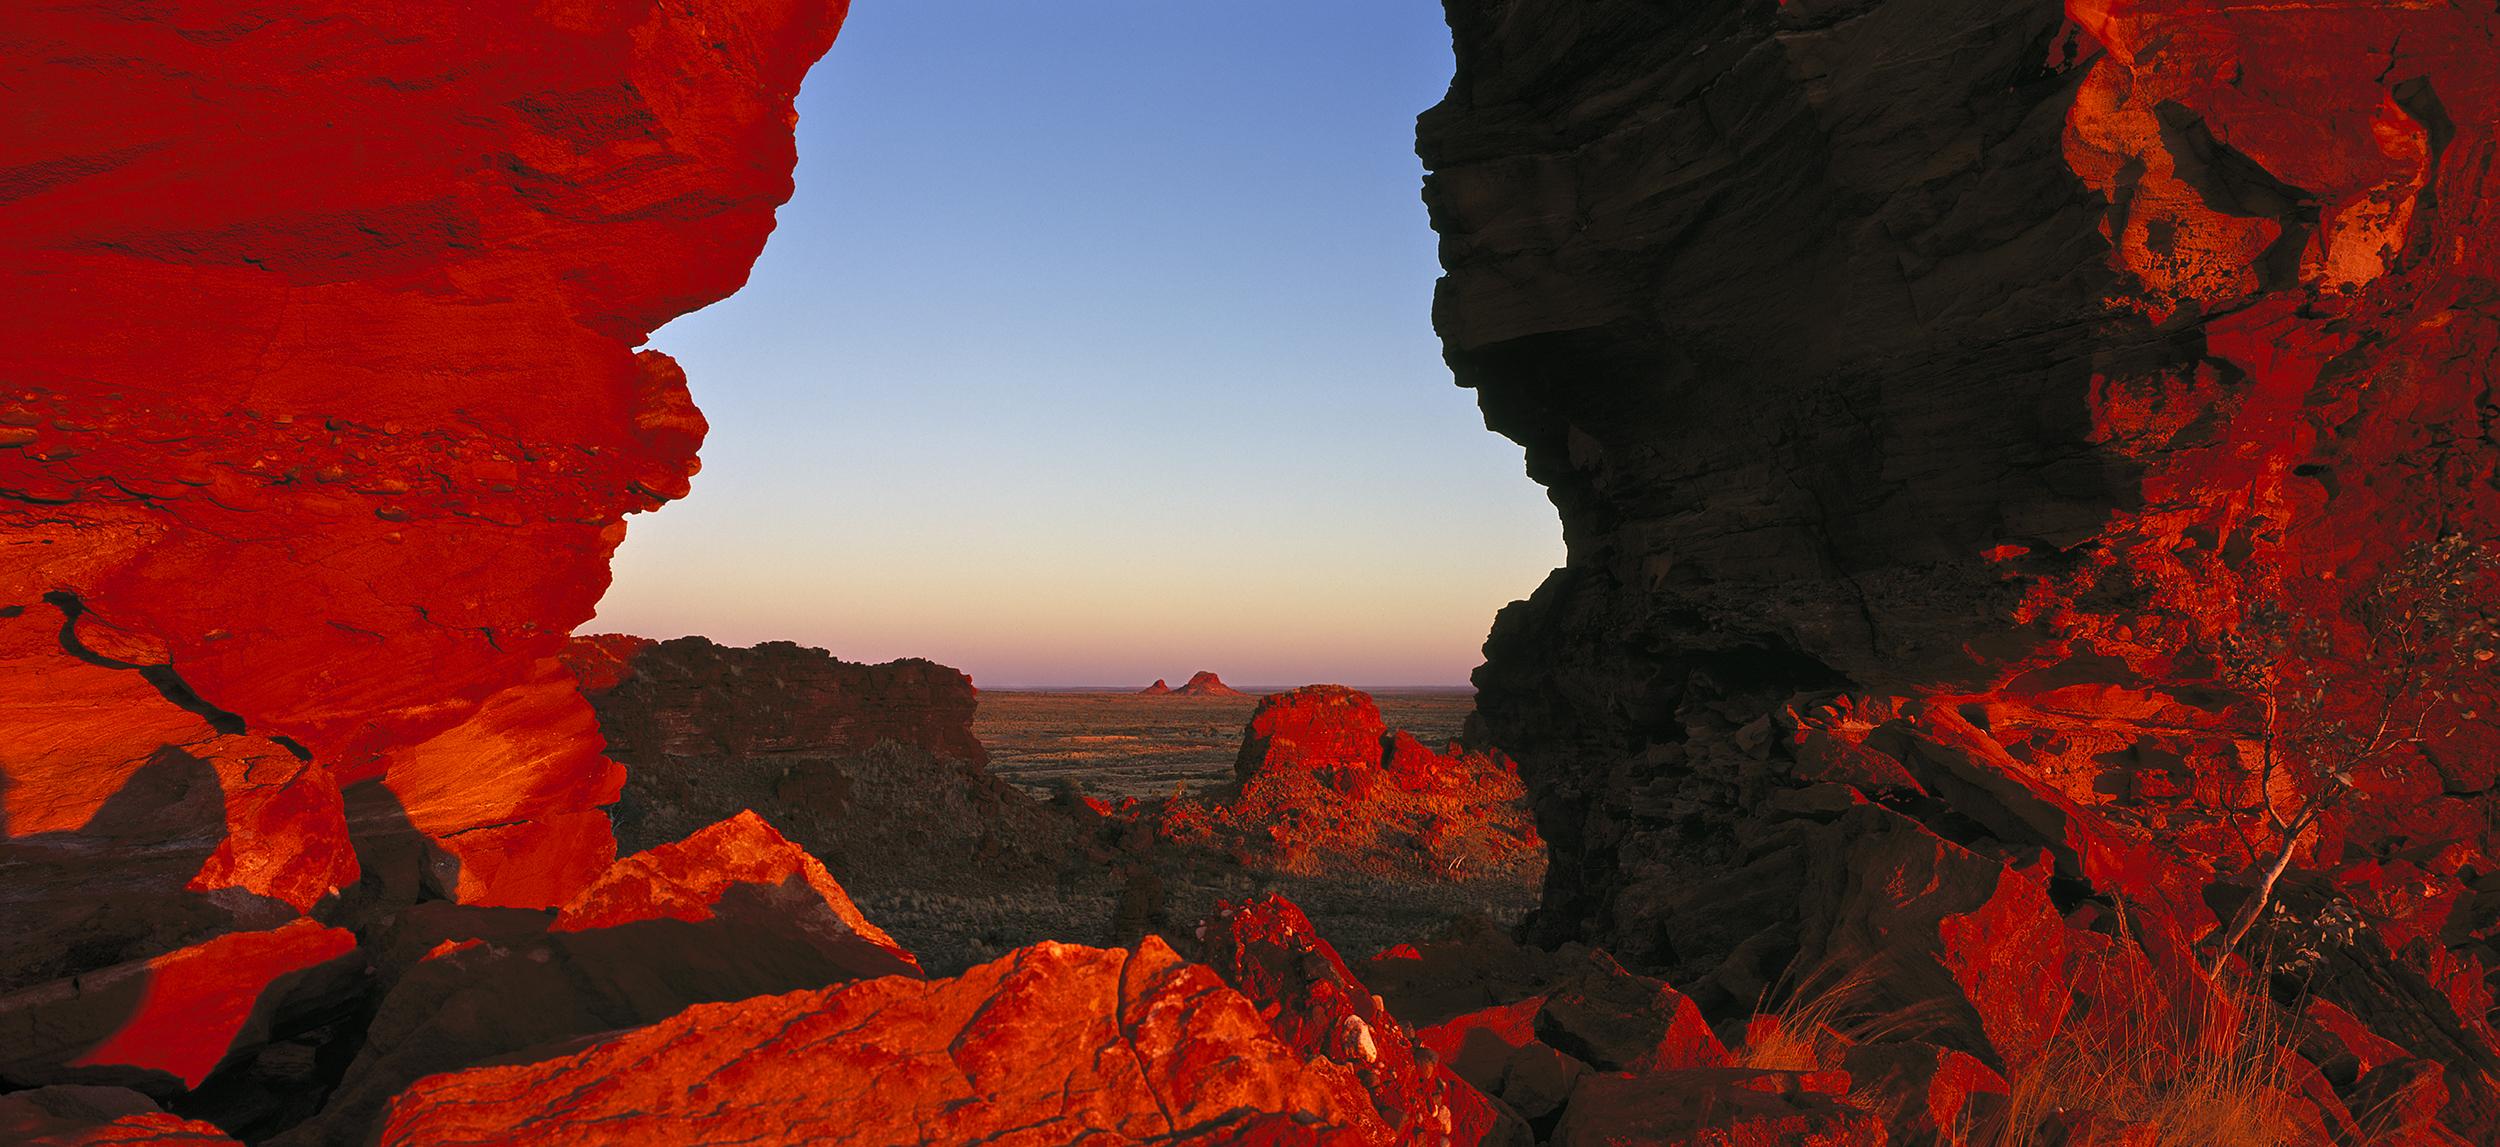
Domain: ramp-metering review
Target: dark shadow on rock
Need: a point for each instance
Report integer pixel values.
(305, 1029)
(398, 864)
(43, 1031)
(45, 1028)
(114, 889)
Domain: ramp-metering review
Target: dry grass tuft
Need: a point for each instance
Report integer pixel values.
(1831, 1008)
(2191, 1063)
(2167, 1064)
(2196, 1063)
(2210, 1083)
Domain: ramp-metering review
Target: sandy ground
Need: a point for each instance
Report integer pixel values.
(1125, 745)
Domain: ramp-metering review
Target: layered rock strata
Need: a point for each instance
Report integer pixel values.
(1268, 950)
(323, 417)
(2066, 428)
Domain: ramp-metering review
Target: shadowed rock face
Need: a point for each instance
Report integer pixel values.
(692, 698)
(872, 768)
(1795, 323)
(2070, 433)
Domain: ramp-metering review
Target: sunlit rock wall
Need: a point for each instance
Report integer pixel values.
(321, 418)
(2040, 420)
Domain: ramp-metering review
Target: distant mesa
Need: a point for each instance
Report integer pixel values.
(1207, 685)
(1157, 689)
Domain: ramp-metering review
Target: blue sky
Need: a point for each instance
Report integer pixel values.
(1096, 347)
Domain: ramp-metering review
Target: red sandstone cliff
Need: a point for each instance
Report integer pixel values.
(322, 421)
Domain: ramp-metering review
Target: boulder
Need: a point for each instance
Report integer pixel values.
(688, 880)
(1471, 966)
(1316, 726)
(1478, 1046)
(1268, 951)
(732, 912)
(1614, 1020)
(1927, 1096)
(1321, 785)
(1052, 1043)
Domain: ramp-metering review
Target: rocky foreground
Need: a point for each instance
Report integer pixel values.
(725, 987)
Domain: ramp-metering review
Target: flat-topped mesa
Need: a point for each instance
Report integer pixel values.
(1205, 684)
(2074, 429)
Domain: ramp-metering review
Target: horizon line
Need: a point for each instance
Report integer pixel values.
(1140, 689)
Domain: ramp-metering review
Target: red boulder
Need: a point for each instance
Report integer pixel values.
(75, 1116)
(1052, 1043)
(686, 880)
(1322, 785)
(1269, 951)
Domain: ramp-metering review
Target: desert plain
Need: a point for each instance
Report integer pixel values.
(1116, 744)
